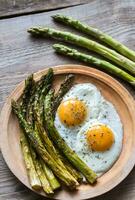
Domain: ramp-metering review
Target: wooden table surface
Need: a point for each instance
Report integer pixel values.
(21, 55)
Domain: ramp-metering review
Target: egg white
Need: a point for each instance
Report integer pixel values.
(99, 111)
(100, 162)
(91, 96)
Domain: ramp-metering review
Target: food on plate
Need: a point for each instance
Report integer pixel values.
(29, 163)
(97, 139)
(67, 136)
(101, 64)
(89, 174)
(72, 112)
(64, 87)
(91, 45)
(48, 162)
(103, 37)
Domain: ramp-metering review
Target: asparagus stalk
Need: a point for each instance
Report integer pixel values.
(103, 37)
(48, 144)
(50, 176)
(30, 167)
(26, 97)
(29, 161)
(61, 144)
(45, 83)
(62, 49)
(39, 124)
(75, 173)
(65, 86)
(40, 171)
(26, 93)
(86, 43)
(62, 174)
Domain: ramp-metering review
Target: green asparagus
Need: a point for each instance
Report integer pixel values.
(103, 37)
(86, 43)
(65, 86)
(61, 144)
(26, 97)
(26, 93)
(40, 171)
(30, 167)
(29, 161)
(48, 144)
(44, 82)
(62, 49)
(62, 174)
(50, 176)
(39, 123)
(75, 173)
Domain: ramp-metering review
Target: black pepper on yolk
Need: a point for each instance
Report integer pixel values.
(100, 138)
(72, 112)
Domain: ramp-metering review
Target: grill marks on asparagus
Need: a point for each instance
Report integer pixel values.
(61, 144)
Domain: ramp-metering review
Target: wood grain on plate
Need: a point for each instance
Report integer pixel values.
(113, 92)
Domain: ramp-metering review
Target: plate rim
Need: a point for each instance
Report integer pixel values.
(61, 69)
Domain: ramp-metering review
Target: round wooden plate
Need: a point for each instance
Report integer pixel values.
(113, 92)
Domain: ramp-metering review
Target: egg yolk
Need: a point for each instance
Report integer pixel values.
(100, 138)
(72, 112)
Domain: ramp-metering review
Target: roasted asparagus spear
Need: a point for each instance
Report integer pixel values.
(47, 142)
(64, 87)
(42, 85)
(30, 166)
(27, 94)
(50, 176)
(61, 144)
(40, 171)
(62, 174)
(26, 150)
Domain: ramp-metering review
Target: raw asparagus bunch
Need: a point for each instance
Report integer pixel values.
(86, 43)
(61, 144)
(62, 49)
(103, 37)
(62, 174)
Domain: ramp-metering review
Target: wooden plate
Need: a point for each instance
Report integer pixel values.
(113, 92)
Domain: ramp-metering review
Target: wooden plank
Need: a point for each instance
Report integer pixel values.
(21, 55)
(12, 8)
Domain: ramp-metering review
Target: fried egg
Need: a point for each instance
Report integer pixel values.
(91, 126)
